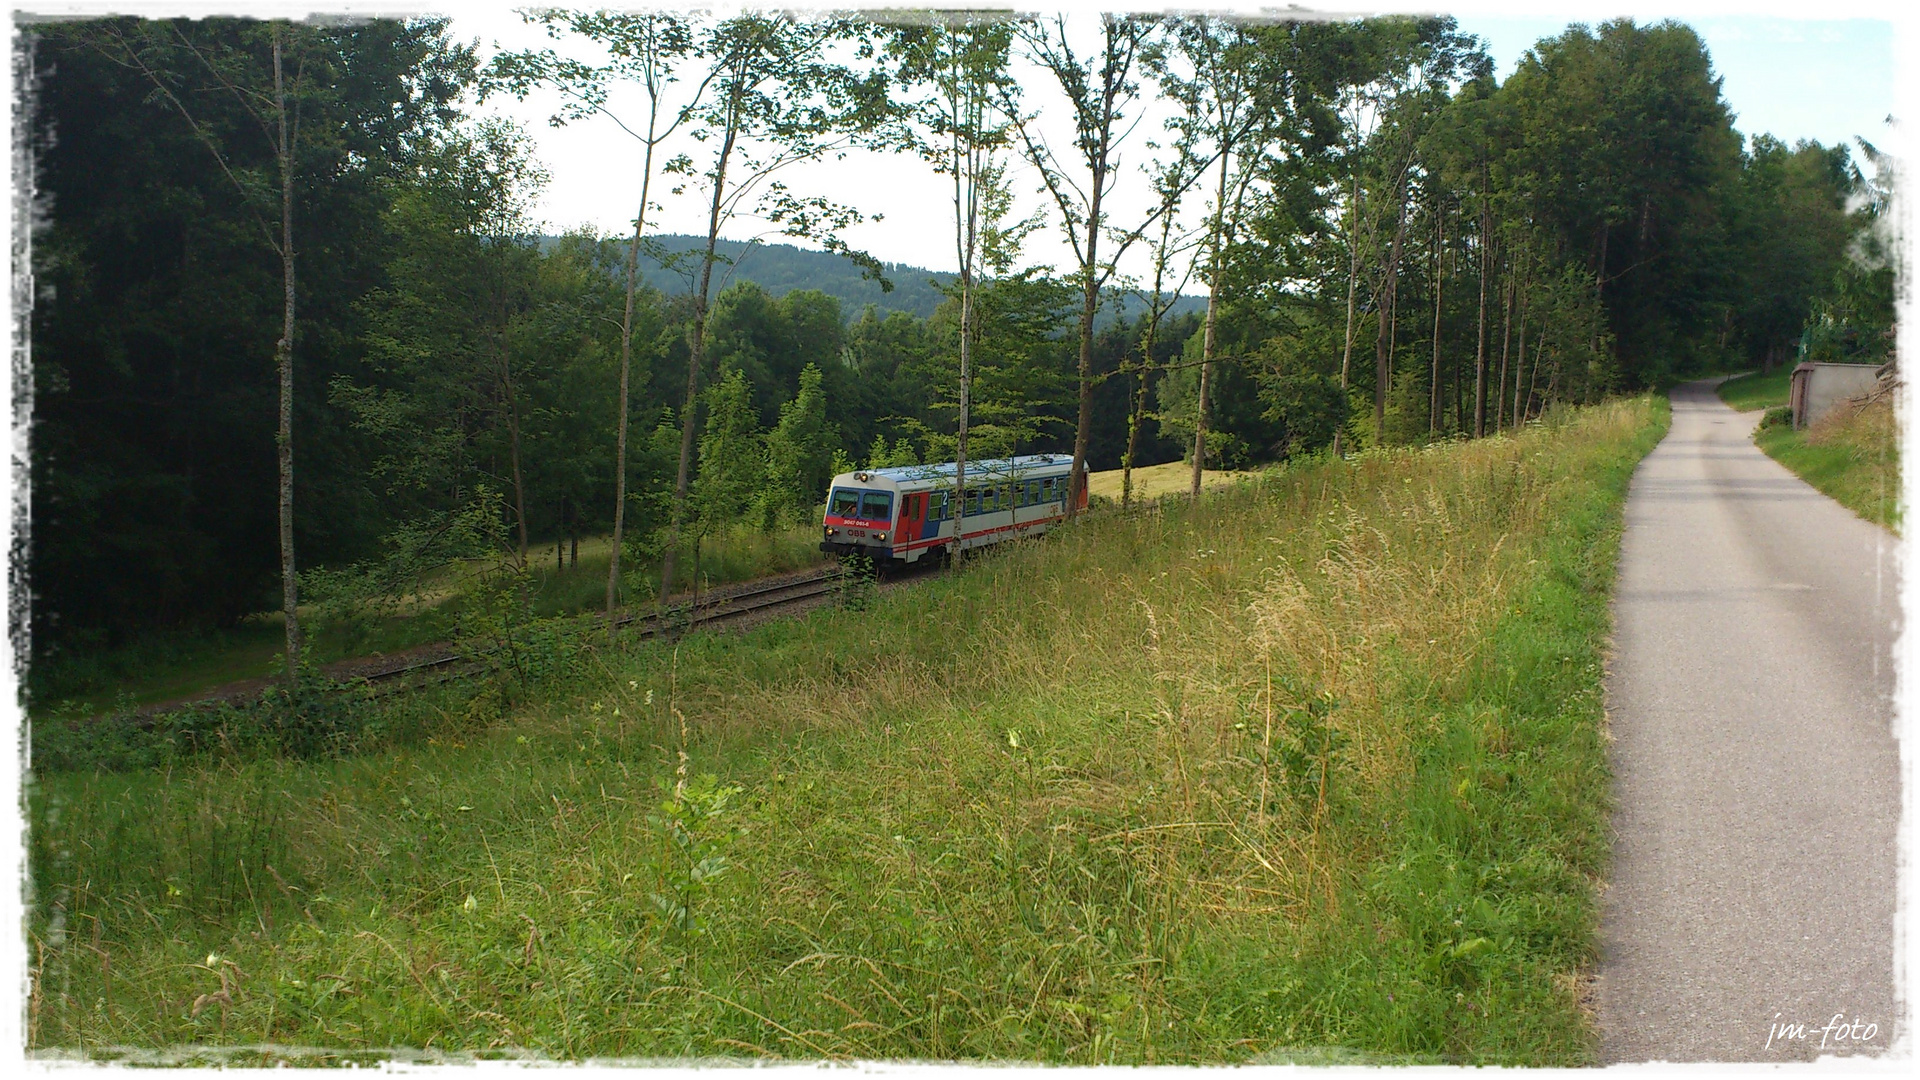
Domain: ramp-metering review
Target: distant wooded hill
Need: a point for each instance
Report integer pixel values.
(782, 268)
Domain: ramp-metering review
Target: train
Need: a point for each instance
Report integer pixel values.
(903, 515)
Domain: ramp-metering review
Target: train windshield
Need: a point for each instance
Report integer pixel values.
(865, 505)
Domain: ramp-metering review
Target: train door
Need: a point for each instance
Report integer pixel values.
(913, 519)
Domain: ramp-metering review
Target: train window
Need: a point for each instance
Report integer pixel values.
(973, 501)
(845, 503)
(939, 509)
(876, 506)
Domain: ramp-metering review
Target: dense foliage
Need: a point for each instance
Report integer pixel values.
(1406, 249)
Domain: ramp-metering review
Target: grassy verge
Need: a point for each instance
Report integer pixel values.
(163, 667)
(1757, 391)
(1852, 456)
(1314, 763)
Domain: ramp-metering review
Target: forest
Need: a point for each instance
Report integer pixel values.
(296, 334)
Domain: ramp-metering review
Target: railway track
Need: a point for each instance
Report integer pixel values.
(433, 667)
(706, 611)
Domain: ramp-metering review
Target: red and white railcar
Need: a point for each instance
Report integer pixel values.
(908, 513)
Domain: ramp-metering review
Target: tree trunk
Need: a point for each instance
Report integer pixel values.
(1520, 361)
(1139, 406)
(513, 433)
(1149, 341)
(966, 403)
(966, 233)
(1383, 338)
(1084, 424)
(1533, 384)
(1506, 342)
(1353, 282)
(1207, 333)
(697, 348)
(626, 367)
(1600, 289)
(1077, 486)
(1480, 344)
(1433, 386)
(289, 581)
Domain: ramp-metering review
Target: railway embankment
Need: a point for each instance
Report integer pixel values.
(1310, 769)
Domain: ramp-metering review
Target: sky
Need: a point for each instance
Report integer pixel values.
(1826, 80)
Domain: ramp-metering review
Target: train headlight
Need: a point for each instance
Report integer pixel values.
(879, 536)
(831, 530)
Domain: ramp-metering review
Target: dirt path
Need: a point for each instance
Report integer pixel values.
(1751, 911)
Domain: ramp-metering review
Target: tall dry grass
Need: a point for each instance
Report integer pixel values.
(1312, 762)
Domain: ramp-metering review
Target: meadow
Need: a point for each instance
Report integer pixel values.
(1310, 769)
(1757, 390)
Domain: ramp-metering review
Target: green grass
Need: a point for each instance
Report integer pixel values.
(1852, 456)
(167, 666)
(1311, 770)
(1756, 391)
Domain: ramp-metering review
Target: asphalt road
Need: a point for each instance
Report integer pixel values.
(1757, 776)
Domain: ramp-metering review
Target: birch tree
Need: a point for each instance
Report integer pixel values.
(251, 68)
(1102, 92)
(642, 50)
(958, 123)
(776, 99)
(1233, 104)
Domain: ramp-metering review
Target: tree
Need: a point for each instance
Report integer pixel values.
(1234, 104)
(1099, 90)
(642, 48)
(960, 125)
(159, 51)
(1396, 76)
(732, 457)
(444, 329)
(800, 449)
(777, 100)
(1624, 149)
(179, 173)
(1789, 213)
(1166, 248)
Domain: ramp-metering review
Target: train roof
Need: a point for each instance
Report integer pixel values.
(1025, 464)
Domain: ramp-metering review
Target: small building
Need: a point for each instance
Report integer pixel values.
(1818, 389)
